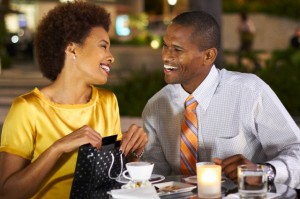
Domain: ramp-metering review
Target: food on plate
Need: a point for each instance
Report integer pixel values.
(169, 188)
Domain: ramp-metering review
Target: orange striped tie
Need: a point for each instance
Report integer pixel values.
(189, 138)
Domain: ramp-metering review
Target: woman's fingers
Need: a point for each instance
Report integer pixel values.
(92, 137)
(135, 138)
(81, 136)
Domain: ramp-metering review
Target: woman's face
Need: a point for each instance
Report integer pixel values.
(93, 57)
(184, 63)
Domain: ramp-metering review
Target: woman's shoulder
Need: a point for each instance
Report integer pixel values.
(103, 93)
(28, 97)
(24, 106)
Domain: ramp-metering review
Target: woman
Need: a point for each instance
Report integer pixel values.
(46, 126)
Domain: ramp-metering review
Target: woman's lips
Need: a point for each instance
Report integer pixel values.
(105, 67)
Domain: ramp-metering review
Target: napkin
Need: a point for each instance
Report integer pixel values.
(148, 192)
(270, 195)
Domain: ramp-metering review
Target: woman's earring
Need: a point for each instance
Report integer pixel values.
(74, 57)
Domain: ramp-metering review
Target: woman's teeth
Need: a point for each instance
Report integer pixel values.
(106, 68)
(167, 67)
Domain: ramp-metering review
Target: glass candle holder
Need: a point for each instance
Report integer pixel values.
(209, 180)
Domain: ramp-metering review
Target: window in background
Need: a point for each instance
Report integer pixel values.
(122, 25)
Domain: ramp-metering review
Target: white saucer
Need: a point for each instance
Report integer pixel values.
(133, 185)
(193, 179)
(154, 179)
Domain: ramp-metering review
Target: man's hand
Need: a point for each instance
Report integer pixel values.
(230, 164)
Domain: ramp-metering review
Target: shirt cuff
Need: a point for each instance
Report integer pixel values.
(282, 173)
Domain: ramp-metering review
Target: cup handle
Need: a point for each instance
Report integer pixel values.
(125, 176)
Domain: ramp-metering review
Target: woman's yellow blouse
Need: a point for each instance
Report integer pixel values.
(34, 123)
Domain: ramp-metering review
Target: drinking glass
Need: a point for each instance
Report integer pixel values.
(252, 181)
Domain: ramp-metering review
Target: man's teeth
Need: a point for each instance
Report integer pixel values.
(167, 67)
(106, 68)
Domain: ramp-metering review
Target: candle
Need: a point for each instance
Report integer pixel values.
(209, 181)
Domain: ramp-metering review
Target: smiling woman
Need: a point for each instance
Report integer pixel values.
(45, 127)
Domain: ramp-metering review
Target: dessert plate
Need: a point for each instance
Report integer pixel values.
(172, 187)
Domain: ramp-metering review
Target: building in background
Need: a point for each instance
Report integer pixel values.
(32, 11)
(157, 13)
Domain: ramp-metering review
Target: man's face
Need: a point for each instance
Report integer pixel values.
(184, 63)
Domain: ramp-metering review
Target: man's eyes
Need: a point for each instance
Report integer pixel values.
(172, 48)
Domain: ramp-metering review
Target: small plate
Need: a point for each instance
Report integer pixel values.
(193, 179)
(133, 185)
(154, 179)
(168, 188)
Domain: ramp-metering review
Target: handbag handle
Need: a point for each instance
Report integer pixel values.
(112, 163)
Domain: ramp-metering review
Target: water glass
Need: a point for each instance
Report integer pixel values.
(252, 181)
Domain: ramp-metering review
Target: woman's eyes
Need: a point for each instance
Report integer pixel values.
(104, 46)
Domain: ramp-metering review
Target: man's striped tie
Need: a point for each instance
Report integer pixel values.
(189, 138)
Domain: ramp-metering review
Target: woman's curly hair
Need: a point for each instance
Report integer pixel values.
(67, 22)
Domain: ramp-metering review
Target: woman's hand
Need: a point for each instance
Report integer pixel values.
(134, 140)
(18, 173)
(81, 136)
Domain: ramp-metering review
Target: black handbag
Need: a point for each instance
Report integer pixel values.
(97, 170)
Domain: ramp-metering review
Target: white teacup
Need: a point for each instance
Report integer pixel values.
(138, 171)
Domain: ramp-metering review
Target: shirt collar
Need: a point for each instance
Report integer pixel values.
(204, 92)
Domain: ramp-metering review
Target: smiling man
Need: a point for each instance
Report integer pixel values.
(229, 118)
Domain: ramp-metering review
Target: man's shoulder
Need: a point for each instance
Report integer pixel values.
(166, 91)
(240, 80)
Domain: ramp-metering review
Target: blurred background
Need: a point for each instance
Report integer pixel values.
(136, 37)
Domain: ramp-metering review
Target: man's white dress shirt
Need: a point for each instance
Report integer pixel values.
(237, 113)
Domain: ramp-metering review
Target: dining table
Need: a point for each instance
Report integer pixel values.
(228, 187)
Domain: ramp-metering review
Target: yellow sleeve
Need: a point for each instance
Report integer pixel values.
(18, 130)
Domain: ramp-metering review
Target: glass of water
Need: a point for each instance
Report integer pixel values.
(252, 181)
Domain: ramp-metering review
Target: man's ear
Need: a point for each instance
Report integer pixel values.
(210, 56)
(71, 50)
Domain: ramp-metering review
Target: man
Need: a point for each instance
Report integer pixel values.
(239, 119)
(246, 30)
(295, 39)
